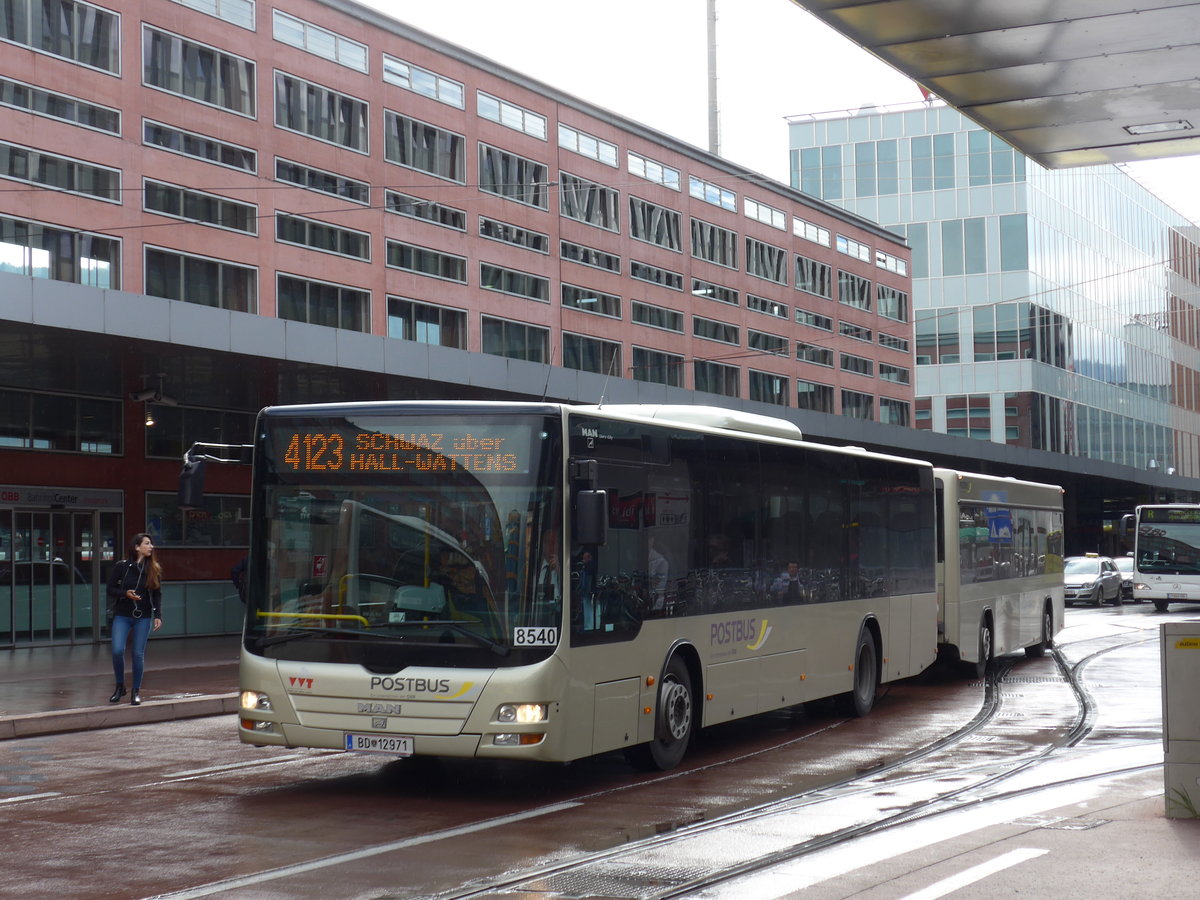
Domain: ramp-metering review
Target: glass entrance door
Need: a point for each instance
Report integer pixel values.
(52, 574)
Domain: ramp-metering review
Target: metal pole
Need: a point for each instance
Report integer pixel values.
(714, 115)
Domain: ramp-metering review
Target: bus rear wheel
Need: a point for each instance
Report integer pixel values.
(861, 699)
(1039, 649)
(674, 721)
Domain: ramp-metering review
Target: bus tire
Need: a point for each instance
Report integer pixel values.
(986, 648)
(861, 699)
(1033, 651)
(674, 721)
(1161, 605)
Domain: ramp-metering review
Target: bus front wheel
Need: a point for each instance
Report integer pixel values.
(1161, 605)
(674, 721)
(986, 649)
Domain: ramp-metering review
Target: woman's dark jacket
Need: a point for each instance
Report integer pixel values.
(129, 575)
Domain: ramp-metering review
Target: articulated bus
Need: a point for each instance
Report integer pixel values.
(1166, 553)
(999, 568)
(545, 582)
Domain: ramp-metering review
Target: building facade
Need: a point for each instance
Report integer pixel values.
(208, 206)
(1054, 310)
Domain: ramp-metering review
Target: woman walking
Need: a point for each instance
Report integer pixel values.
(135, 593)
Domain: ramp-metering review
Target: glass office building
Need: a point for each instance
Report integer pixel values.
(1053, 309)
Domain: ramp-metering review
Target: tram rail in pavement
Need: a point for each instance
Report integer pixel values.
(56, 689)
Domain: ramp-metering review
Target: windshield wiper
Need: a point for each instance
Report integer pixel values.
(458, 628)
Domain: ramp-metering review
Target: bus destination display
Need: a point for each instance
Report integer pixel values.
(1183, 515)
(493, 449)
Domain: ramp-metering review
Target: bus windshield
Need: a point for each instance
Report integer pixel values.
(1168, 547)
(394, 540)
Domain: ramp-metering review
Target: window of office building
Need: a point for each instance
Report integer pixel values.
(802, 228)
(423, 81)
(198, 206)
(198, 146)
(424, 210)
(589, 354)
(1014, 242)
(766, 387)
(964, 246)
(893, 342)
(321, 181)
(426, 323)
(591, 301)
(766, 306)
(712, 330)
(59, 172)
(714, 244)
(588, 202)
(513, 177)
(515, 340)
(63, 107)
(814, 353)
(857, 405)
(894, 374)
(856, 249)
(970, 415)
(655, 275)
(78, 32)
(766, 342)
(319, 41)
(59, 423)
(820, 172)
(814, 396)
(890, 263)
(656, 367)
(856, 332)
(652, 170)
(201, 280)
(512, 281)
(892, 304)
(321, 236)
(655, 224)
(991, 161)
(587, 145)
(656, 316)
(854, 290)
(510, 115)
(710, 291)
(937, 336)
(876, 169)
(859, 365)
(321, 113)
(224, 522)
(895, 412)
(766, 261)
(176, 428)
(712, 193)
(716, 378)
(323, 303)
(424, 261)
(932, 162)
(813, 320)
(761, 212)
(58, 254)
(235, 12)
(506, 233)
(814, 277)
(589, 256)
(204, 74)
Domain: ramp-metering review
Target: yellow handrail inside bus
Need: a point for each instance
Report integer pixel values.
(291, 615)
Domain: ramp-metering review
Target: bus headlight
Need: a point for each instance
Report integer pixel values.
(523, 713)
(255, 700)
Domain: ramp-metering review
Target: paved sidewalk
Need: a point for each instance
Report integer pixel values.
(46, 690)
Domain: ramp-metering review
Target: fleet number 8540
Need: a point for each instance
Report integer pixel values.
(535, 637)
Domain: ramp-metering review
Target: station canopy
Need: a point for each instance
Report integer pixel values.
(1066, 82)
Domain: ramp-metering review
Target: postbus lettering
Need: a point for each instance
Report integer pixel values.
(733, 631)
(411, 685)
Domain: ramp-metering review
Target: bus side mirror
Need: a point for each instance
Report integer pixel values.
(1126, 527)
(591, 517)
(191, 484)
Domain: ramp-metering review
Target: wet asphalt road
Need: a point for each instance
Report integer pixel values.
(182, 809)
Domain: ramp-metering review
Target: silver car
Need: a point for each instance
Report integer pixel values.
(1091, 579)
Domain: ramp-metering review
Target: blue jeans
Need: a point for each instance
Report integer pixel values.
(121, 627)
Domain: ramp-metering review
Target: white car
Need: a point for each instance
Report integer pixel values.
(1091, 579)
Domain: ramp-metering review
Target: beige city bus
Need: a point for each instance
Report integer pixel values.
(546, 582)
